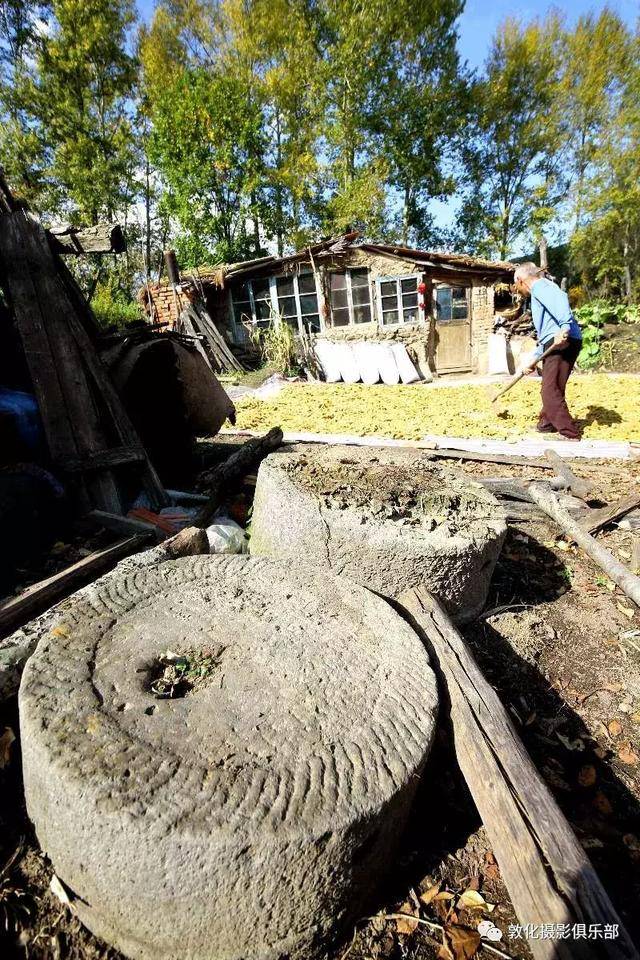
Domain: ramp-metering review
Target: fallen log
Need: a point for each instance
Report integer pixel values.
(103, 238)
(41, 595)
(597, 519)
(579, 487)
(241, 461)
(546, 499)
(516, 489)
(547, 873)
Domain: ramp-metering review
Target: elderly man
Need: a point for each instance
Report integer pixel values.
(555, 324)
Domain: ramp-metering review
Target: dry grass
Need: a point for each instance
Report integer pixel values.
(608, 407)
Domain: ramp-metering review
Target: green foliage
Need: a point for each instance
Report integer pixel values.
(592, 317)
(512, 160)
(278, 347)
(112, 308)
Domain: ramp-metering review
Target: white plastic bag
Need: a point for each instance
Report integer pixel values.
(226, 536)
(498, 363)
(408, 373)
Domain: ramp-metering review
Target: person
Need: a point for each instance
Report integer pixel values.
(555, 324)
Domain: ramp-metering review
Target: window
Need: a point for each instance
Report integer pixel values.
(350, 297)
(242, 304)
(293, 298)
(451, 304)
(308, 297)
(398, 299)
(298, 302)
(262, 301)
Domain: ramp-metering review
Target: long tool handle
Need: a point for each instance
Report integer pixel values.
(521, 373)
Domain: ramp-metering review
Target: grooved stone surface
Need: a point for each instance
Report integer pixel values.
(252, 817)
(390, 519)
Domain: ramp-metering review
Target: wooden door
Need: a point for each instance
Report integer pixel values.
(452, 307)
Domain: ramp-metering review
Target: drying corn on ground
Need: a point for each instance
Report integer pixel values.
(607, 407)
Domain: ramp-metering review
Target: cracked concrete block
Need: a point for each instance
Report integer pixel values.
(251, 816)
(388, 518)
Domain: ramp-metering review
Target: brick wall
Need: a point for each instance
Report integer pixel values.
(164, 302)
(482, 312)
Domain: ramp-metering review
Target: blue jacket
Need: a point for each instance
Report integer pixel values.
(551, 313)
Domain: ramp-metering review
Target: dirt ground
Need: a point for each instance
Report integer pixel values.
(561, 645)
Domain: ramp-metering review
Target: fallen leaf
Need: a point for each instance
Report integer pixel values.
(406, 924)
(6, 740)
(602, 804)
(635, 717)
(614, 727)
(627, 754)
(628, 611)
(429, 894)
(444, 895)
(472, 900)
(460, 943)
(587, 775)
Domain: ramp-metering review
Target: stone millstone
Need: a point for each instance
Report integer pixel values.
(252, 816)
(390, 519)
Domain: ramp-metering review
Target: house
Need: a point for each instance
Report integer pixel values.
(440, 305)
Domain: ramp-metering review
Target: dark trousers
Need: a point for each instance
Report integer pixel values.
(555, 373)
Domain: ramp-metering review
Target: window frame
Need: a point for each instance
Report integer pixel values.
(399, 307)
(272, 280)
(452, 286)
(350, 305)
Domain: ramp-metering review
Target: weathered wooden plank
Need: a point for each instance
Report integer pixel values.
(240, 462)
(547, 501)
(102, 238)
(120, 524)
(124, 428)
(41, 595)
(547, 873)
(21, 290)
(103, 459)
(596, 519)
(80, 400)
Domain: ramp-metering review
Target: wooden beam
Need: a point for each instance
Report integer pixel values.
(615, 570)
(546, 872)
(104, 459)
(103, 238)
(596, 519)
(36, 599)
(241, 461)
(579, 487)
(124, 525)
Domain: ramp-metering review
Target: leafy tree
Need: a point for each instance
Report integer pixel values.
(85, 79)
(22, 151)
(606, 247)
(598, 58)
(514, 149)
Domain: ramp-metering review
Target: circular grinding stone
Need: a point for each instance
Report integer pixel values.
(251, 816)
(389, 518)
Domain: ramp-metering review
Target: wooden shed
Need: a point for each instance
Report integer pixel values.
(439, 304)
